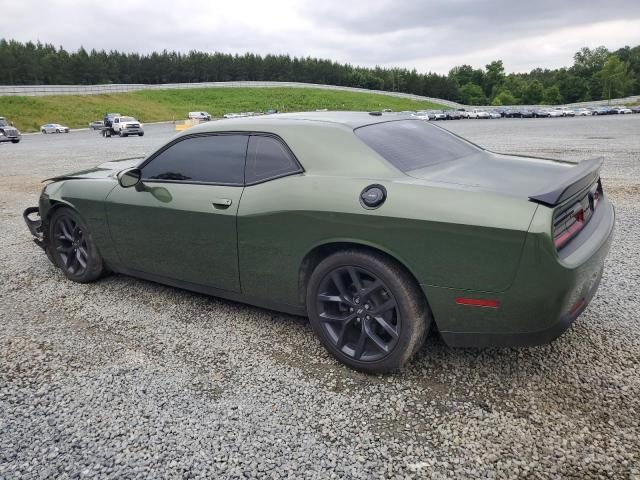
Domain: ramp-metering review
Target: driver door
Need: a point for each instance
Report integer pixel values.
(179, 223)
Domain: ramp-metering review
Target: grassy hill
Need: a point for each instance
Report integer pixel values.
(28, 113)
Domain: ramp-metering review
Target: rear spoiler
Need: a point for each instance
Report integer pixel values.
(570, 182)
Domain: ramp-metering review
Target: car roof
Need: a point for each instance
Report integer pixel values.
(351, 120)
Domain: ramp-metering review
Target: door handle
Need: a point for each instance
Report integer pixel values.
(222, 202)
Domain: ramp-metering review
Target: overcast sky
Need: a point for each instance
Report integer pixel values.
(431, 35)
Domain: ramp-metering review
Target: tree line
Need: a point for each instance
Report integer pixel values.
(596, 74)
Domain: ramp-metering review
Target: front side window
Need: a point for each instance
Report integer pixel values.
(413, 144)
(268, 158)
(209, 159)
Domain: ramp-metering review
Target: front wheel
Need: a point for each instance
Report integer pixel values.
(141, 134)
(367, 310)
(72, 248)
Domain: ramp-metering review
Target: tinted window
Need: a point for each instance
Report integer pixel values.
(268, 158)
(413, 144)
(213, 159)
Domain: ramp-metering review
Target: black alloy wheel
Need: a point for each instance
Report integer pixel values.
(359, 313)
(367, 310)
(71, 247)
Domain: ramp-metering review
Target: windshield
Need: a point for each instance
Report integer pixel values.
(3, 123)
(412, 144)
(127, 119)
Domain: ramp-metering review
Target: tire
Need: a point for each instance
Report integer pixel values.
(339, 315)
(15, 141)
(71, 245)
(141, 134)
(43, 131)
(120, 133)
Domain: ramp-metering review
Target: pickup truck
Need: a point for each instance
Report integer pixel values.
(8, 133)
(123, 126)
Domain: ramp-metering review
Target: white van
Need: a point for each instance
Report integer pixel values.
(202, 116)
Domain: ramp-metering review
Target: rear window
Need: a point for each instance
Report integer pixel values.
(413, 144)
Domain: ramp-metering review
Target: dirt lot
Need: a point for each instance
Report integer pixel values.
(128, 379)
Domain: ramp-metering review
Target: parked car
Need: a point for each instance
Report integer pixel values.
(54, 128)
(8, 133)
(566, 111)
(602, 110)
(553, 113)
(271, 111)
(96, 125)
(524, 255)
(495, 114)
(635, 109)
(423, 115)
(512, 113)
(452, 115)
(583, 112)
(623, 110)
(478, 113)
(526, 113)
(437, 115)
(202, 116)
(539, 113)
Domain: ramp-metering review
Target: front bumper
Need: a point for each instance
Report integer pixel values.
(12, 138)
(35, 225)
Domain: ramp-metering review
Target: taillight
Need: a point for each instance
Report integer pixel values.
(569, 222)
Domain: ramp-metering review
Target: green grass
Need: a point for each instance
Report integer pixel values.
(28, 113)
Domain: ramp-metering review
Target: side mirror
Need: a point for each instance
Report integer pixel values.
(129, 178)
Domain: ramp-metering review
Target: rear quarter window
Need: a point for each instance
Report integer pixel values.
(413, 144)
(268, 158)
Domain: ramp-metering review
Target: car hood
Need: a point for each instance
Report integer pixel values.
(511, 175)
(104, 170)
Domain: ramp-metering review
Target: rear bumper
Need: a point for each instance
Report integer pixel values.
(548, 293)
(528, 339)
(32, 218)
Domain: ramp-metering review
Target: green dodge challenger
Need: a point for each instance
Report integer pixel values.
(376, 227)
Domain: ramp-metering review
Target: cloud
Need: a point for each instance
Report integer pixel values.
(431, 35)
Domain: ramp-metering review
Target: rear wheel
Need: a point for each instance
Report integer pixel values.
(367, 310)
(72, 248)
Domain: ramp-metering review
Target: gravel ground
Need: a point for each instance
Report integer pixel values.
(128, 379)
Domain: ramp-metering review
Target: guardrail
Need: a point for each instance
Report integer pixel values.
(45, 90)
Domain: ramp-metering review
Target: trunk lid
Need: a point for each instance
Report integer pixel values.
(540, 180)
